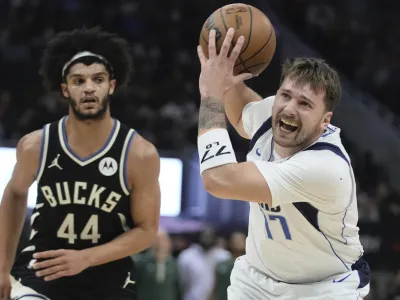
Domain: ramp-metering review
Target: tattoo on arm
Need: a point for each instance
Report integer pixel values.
(212, 114)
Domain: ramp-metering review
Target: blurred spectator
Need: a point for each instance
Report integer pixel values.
(157, 273)
(237, 246)
(197, 266)
(179, 243)
(360, 37)
(222, 243)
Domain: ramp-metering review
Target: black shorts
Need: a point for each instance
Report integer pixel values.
(99, 283)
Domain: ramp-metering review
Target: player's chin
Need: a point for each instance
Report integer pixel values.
(88, 112)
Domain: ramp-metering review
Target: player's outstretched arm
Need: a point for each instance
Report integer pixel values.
(234, 101)
(13, 204)
(143, 173)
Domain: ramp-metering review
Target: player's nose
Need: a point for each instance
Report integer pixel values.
(89, 86)
(290, 108)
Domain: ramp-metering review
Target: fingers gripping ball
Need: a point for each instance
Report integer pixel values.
(260, 40)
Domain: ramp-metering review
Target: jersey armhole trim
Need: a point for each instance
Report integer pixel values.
(123, 177)
(43, 152)
(267, 125)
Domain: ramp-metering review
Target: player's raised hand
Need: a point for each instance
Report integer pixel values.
(60, 263)
(5, 286)
(216, 76)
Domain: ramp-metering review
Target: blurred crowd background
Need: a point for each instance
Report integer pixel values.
(359, 37)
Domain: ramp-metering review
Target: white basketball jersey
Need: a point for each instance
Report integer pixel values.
(310, 232)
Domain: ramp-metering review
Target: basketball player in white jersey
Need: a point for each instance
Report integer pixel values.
(303, 238)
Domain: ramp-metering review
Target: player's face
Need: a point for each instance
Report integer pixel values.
(88, 89)
(299, 116)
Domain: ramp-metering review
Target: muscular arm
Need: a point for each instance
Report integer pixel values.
(241, 181)
(143, 173)
(300, 179)
(13, 204)
(234, 102)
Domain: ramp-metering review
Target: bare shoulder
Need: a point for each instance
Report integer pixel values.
(29, 145)
(28, 156)
(142, 150)
(143, 160)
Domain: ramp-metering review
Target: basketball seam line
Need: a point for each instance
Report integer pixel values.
(262, 48)
(226, 30)
(205, 41)
(256, 65)
(251, 29)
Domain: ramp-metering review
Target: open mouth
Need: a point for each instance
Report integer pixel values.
(89, 101)
(287, 126)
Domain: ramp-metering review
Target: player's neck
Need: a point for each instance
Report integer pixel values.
(90, 134)
(285, 152)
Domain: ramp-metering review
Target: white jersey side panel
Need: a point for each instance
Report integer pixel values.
(311, 231)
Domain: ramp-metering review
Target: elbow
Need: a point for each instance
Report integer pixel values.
(207, 179)
(211, 183)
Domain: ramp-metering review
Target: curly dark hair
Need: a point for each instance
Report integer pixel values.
(65, 45)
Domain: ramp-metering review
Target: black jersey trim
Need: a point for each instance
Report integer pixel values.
(267, 125)
(123, 177)
(30, 296)
(87, 160)
(43, 152)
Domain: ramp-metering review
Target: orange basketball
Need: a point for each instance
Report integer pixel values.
(253, 24)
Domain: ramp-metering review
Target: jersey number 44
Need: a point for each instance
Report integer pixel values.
(90, 230)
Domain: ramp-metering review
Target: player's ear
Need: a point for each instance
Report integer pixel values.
(327, 119)
(64, 90)
(113, 84)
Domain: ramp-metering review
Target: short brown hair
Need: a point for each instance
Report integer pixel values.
(318, 74)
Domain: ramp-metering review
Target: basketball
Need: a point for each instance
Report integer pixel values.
(253, 24)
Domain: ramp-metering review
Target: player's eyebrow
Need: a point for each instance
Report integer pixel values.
(100, 74)
(305, 98)
(92, 75)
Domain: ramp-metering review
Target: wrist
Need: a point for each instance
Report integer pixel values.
(88, 257)
(215, 149)
(5, 270)
(212, 95)
(5, 267)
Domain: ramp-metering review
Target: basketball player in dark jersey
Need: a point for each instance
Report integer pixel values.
(98, 191)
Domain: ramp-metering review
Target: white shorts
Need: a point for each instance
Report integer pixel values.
(19, 291)
(248, 283)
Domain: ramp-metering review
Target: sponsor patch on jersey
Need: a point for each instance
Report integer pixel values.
(108, 166)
